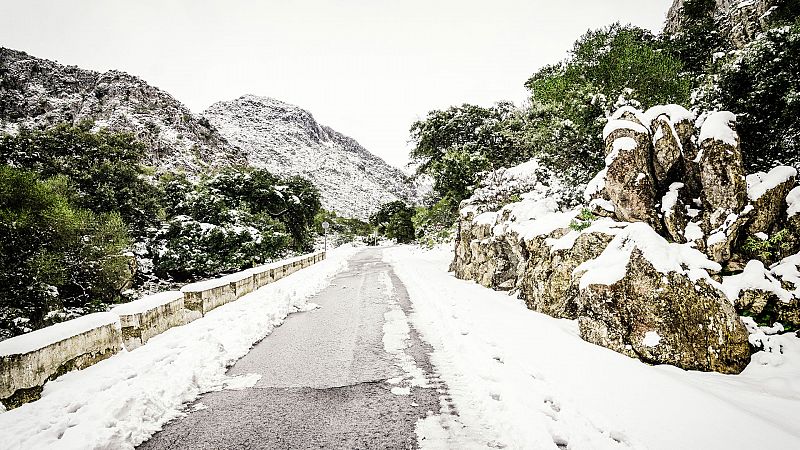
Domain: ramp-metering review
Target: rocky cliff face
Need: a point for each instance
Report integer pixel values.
(36, 92)
(739, 20)
(658, 265)
(286, 139)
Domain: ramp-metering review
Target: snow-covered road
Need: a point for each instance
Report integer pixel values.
(389, 350)
(351, 374)
(525, 380)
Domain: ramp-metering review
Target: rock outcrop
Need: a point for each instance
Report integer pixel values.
(36, 93)
(649, 267)
(738, 21)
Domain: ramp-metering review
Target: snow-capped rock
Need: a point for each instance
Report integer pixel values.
(287, 140)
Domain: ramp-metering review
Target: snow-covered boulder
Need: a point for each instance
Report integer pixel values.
(547, 284)
(629, 180)
(768, 194)
(656, 301)
(721, 171)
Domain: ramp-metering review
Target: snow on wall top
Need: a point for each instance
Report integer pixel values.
(147, 303)
(56, 333)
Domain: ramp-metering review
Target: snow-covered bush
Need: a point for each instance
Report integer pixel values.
(229, 221)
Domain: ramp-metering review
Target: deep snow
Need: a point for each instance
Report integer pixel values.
(524, 380)
(120, 402)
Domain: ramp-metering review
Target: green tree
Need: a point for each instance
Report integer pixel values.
(54, 254)
(395, 221)
(455, 145)
(762, 86)
(105, 168)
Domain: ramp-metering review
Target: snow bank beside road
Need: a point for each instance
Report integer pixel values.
(525, 380)
(120, 402)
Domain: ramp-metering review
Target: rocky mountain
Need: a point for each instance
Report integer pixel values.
(287, 140)
(739, 21)
(673, 245)
(36, 92)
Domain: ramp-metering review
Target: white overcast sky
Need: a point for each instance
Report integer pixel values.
(367, 68)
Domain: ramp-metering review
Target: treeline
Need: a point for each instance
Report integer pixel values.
(82, 221)
(615, 66)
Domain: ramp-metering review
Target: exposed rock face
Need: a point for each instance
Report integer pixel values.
(646, 279)
(287, 140)
(629, 179)
(665, 319)
(39, 93)
(721, 172)
(738, 21)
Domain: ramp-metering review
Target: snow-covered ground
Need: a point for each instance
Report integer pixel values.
(120, 402)
(524, 380)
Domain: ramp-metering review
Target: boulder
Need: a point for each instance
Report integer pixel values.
(722, 240)
(721, 172)
(666, 148)
(664, 319)
(546, 285)
(768, 193)
(629, 181)
(673, 210)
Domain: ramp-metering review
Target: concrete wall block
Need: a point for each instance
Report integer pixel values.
(138, 328)
(22, 376)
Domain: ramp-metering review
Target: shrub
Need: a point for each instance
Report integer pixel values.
(395, 221)
(55, 257)
(762, 86)
(104, 168)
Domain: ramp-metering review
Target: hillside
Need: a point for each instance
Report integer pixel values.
(738, 21)
(287, 140)
(36, 92)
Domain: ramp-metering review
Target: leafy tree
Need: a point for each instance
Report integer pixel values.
(231, 220)
(570, 101)
(455, 145)
(54, 254)
(395, 221)
(104, 167)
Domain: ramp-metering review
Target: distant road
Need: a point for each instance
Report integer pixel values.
(323, 377)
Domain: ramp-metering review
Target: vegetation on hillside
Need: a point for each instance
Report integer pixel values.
(615, 66)
(82, 221)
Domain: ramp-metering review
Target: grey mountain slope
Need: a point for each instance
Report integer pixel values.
(37, 92)
(287, 140)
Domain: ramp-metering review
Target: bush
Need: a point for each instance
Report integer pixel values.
(104, 167)
(229, 221)
(55, 257)
(341, 229)
(395, 221)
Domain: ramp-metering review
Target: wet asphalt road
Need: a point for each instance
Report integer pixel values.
(323, 378)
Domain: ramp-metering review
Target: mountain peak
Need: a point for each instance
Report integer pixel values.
(286, 139)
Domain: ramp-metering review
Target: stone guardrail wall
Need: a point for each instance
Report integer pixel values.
(28, 361)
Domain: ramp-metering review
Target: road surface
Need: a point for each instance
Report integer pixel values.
(327, 377)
